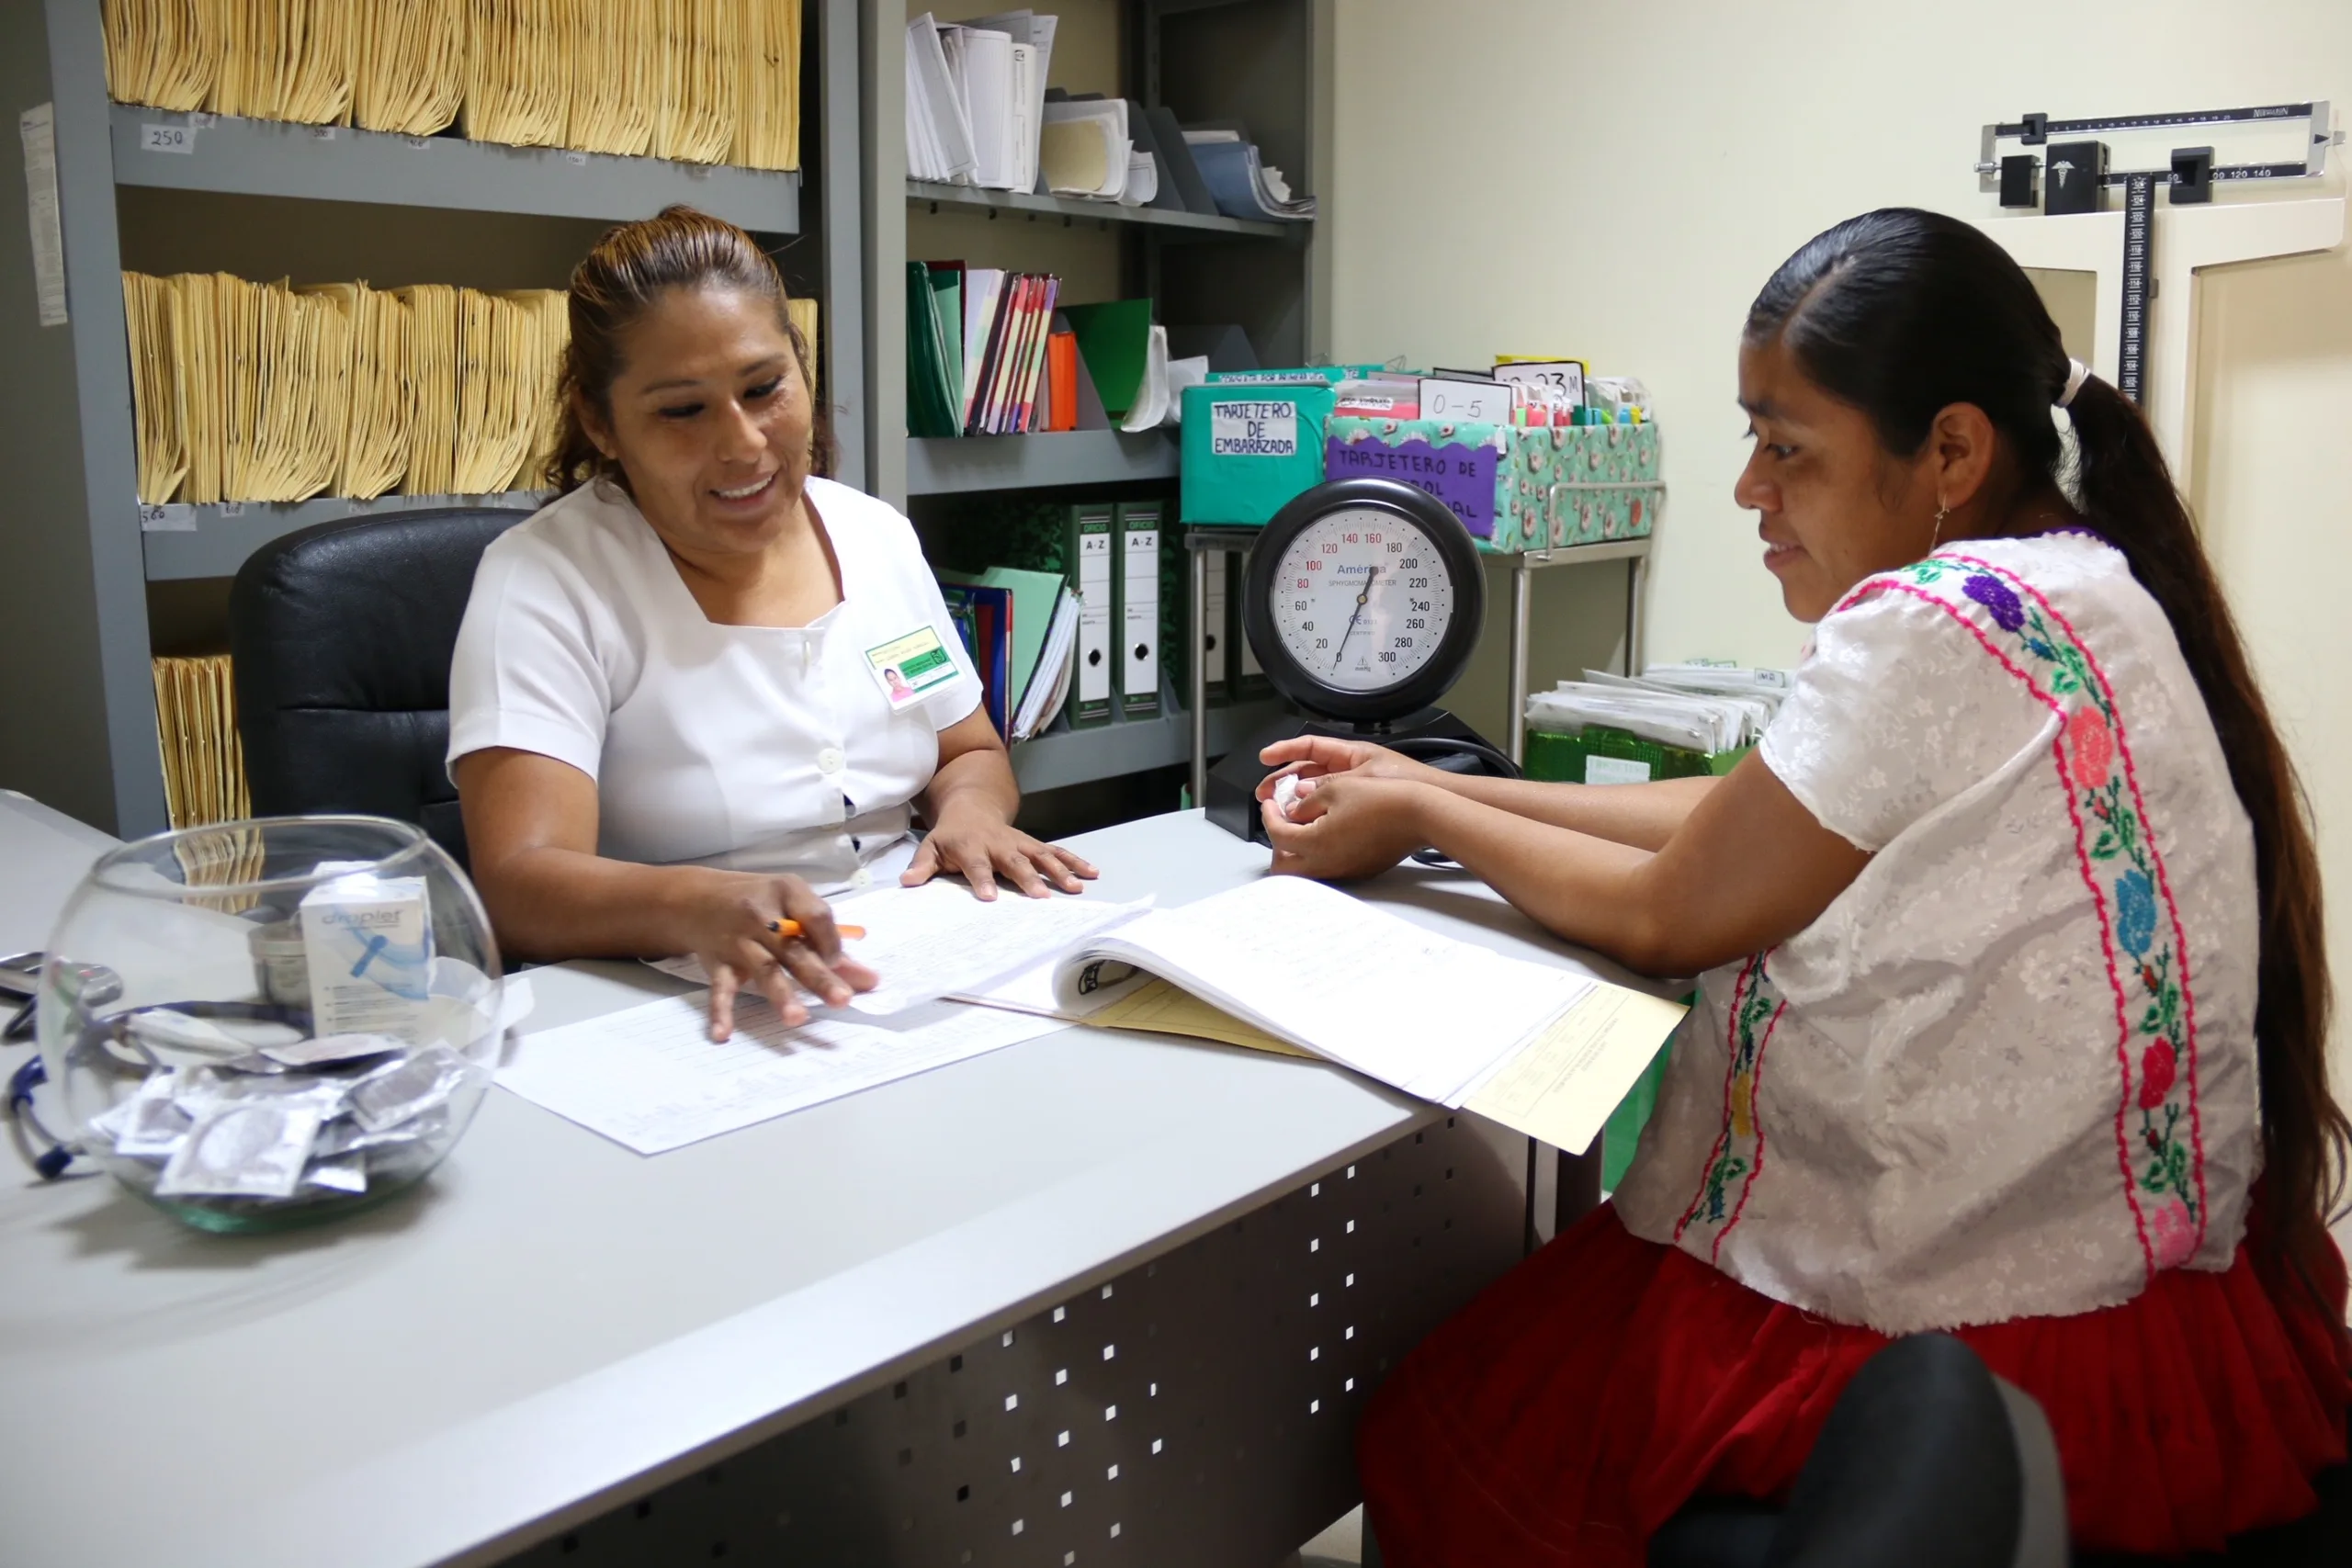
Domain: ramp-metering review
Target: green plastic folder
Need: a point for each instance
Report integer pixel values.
(1115, 340)
(947, 303)
(1035, 595)
(931, 407)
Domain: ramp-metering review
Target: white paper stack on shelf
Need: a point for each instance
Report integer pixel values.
(973, 99)
(1036, 33)
(1766, 686)
(1698, 708)
(1241, 185)
(1087, 152)
(939, 126)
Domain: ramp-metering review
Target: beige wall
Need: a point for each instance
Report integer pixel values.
(1698, 143)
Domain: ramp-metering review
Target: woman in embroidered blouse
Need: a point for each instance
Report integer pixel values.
(2013, 979)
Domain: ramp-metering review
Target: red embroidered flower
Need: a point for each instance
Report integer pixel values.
(2155, 1075)
(2093, 744)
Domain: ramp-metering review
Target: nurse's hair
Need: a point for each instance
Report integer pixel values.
(1900, 314)
(632, 267)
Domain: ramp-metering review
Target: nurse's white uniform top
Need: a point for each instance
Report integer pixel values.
(760, 748)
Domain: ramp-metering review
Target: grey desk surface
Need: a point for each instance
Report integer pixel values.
(554, 1324)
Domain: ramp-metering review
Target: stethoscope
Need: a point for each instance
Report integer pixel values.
(111, 1041)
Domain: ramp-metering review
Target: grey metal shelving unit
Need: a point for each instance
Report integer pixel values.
(186, 543)
(1071, 210)
(940, 465)
(1132, 746)
(260, 157)
(77, 727)
(1263, 62)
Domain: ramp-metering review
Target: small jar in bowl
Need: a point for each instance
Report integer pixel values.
(268, 1023)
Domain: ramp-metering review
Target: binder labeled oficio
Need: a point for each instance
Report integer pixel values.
(1138, 532)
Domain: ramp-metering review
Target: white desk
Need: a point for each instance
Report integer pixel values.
(554, 1326)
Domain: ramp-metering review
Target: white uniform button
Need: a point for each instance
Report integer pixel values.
(860, 878)
(831, 760)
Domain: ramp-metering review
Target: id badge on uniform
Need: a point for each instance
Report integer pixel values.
(910, 668)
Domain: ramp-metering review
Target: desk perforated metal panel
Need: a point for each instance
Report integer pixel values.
(1196, 1410)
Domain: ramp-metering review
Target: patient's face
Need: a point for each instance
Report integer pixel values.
(1833, 505)
(710, 421)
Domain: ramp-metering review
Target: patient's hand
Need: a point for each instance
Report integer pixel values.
(1319, 756)
(1352, 824)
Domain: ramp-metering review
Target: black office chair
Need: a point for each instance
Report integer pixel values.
(1927, 1460)
(341, 636)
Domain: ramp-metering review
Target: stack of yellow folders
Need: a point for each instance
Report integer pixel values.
(196, 728)
(261, 391)
(702, 81)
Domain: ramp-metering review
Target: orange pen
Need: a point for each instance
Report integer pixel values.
(792, 928)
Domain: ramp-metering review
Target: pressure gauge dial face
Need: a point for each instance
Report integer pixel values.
(1362, 600)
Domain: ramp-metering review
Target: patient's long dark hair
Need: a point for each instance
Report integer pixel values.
(1901, 315)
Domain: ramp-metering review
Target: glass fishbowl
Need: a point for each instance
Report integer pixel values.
(268, 1023)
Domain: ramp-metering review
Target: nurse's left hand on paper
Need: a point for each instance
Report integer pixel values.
(974, 841)
(726, 920)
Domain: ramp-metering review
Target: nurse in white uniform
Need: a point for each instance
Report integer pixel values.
(705, 688)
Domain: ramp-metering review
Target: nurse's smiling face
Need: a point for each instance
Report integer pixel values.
(1833, 504)
(710, 417)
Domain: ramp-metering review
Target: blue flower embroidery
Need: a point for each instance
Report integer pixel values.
(1997, 596)
(2135, 913)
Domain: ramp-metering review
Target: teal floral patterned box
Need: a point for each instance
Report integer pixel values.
(1515, 486)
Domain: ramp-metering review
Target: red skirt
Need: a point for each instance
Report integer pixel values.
(1583, 1399)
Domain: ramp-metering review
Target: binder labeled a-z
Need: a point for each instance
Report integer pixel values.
(1092, 566)
(1138, 532)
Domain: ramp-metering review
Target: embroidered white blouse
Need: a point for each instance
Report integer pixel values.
(2011, 1070)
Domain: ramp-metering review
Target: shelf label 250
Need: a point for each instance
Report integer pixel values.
(167, 139)
(1253, 429)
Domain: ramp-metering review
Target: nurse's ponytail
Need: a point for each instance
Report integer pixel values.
(1903, 313)
(632, 266)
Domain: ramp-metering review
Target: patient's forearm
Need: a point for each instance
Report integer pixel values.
(1642, 815)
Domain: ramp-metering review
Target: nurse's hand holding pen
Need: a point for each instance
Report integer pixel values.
(771, 934)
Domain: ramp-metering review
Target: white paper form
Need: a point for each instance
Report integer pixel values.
(1428, 1013)
(650, 1078)
(937, 940)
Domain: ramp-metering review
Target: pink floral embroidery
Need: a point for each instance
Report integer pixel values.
(2163, 1161)
(2174, 1234)
(2093, 746)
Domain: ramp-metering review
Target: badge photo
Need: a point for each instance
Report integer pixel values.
(911, 667)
